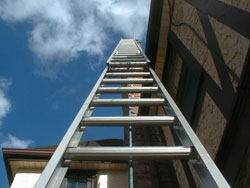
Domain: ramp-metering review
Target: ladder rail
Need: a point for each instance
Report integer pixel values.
(205, 164)
(55, 163)
(75, 140)
(114, 51)
(142, 52)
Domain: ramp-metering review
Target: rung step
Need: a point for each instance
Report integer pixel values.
(128, 153)
(125, 74)
(122, 102)
(127, 89)
(128, 64)
(128, 81)
(127, 48)
(126, 59)
(135, 50)
(128, 53)
(125, 55)
(140, 69)
(128, 120)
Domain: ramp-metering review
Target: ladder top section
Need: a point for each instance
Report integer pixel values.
(128, 50)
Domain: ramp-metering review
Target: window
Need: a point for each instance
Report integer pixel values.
(187, 90)
(79, 179)
(78, 182)
(182, 81)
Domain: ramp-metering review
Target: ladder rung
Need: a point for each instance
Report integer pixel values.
(125, 74)
(122, 55)
(132, 102)
(126, 59)
(138, 69)
(128, 50)
(128, 120)
(129, 64)
(127, 89)
(127, 53)
(127, 153)
(128, 81)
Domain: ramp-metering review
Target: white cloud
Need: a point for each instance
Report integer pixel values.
(63, 29)
(14, 142)
(5, 104)
(5, 107)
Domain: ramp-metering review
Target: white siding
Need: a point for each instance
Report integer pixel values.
(25, 180)
(113, 179)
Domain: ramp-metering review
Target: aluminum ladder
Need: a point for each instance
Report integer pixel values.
(129, 65)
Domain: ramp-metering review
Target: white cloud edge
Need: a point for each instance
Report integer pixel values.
(5, 104)
(5, 107)
(13, 142)
(63, 29)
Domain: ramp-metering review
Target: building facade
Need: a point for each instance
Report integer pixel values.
(24, 167)
(200, 50)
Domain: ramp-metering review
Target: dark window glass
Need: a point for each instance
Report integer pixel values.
(79, 179)
(76, 183)
(187, 90)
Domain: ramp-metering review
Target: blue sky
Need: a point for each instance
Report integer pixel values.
(51, 55)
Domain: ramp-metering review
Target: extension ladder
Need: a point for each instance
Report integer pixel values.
(129, 65)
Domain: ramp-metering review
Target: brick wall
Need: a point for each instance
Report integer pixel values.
(149, 174)
(142, 177)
